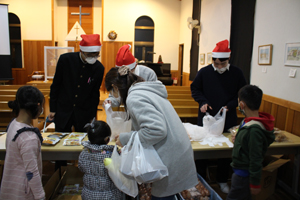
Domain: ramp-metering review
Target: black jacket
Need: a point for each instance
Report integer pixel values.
(218, 90)
(75, 89)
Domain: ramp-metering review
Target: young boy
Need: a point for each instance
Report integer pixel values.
(254, 136)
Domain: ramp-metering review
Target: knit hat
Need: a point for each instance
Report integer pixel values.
(125, 57)
(221, 50)
(90, 43)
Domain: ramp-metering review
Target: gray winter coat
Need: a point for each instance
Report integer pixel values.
(158, 124)
(96, 181)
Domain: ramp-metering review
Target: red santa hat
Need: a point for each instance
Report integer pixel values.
(221, 50)
(90, 43)
(125, 57)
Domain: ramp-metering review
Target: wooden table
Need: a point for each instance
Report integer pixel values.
(292, 146)
(61, 152)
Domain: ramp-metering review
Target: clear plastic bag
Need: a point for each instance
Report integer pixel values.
(147, 166)
(215, 125)
(117, 121)
(125, 184)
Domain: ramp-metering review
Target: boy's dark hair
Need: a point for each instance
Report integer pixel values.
(221, 59)
(28, 98)
(98, 132)
(251, 95)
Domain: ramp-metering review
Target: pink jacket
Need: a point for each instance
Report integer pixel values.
(23, 165)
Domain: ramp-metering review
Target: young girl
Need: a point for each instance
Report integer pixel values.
(96, 181)
(23, 161)
(157, 124)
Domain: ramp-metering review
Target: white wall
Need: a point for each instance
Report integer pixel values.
(61, 22)
(120, 16)
(215, 25)
(276, 22)
(35, 17)
(185, 35)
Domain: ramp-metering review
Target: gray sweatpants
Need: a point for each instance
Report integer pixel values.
(240, 189)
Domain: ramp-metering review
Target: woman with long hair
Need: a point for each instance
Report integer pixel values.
(157, 123)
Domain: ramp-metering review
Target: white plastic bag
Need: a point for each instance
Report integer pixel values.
(147, 166)
(215, 125)
(117, 121)
(127, 157)
(125, 184)
(195, 132)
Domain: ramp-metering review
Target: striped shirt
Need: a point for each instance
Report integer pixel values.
(23, 165)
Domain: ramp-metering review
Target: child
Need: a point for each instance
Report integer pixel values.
(23, 161)
(254, 136)
(96, 181)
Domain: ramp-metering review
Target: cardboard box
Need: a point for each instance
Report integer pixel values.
(269, 176)
(213, 194)
(69, 175)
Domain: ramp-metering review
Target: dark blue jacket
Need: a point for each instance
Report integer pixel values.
(218, 90)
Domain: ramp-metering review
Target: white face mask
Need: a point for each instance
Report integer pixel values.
(91, 60)
(222, 70)
(117, 98)
(42, 111)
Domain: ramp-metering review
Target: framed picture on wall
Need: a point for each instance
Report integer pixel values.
(265, 54)
(202, 58)
(209, 58)
(292, 54)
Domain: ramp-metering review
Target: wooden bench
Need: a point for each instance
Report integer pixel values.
(184, 104)
(8, 93)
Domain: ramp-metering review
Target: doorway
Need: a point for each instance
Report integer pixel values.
(180, 65)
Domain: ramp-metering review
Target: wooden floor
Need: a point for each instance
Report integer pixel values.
(101, 112)
(279, 194)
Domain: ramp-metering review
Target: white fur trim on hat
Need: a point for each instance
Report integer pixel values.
(131, 66)
(90, 48)
(221, 54)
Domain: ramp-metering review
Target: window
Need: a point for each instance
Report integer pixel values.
(144, 39)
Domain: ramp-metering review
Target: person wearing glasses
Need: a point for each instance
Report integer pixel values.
(216, 86)
(74, 94)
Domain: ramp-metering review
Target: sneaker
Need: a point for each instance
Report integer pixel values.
(224, 187)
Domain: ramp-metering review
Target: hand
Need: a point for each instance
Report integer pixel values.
(204, 108)
(117, 139)
(255, 191)
(106, 102)
(226, 108)
(232, 138)
(51, 116)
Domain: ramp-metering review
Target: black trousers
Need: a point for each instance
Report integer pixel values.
(240, 189)
(68, 126)
(223, 168)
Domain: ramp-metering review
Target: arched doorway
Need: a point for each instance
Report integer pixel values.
(15, 40)
(144, 39)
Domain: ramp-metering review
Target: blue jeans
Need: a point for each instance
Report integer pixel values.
(172, 197)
